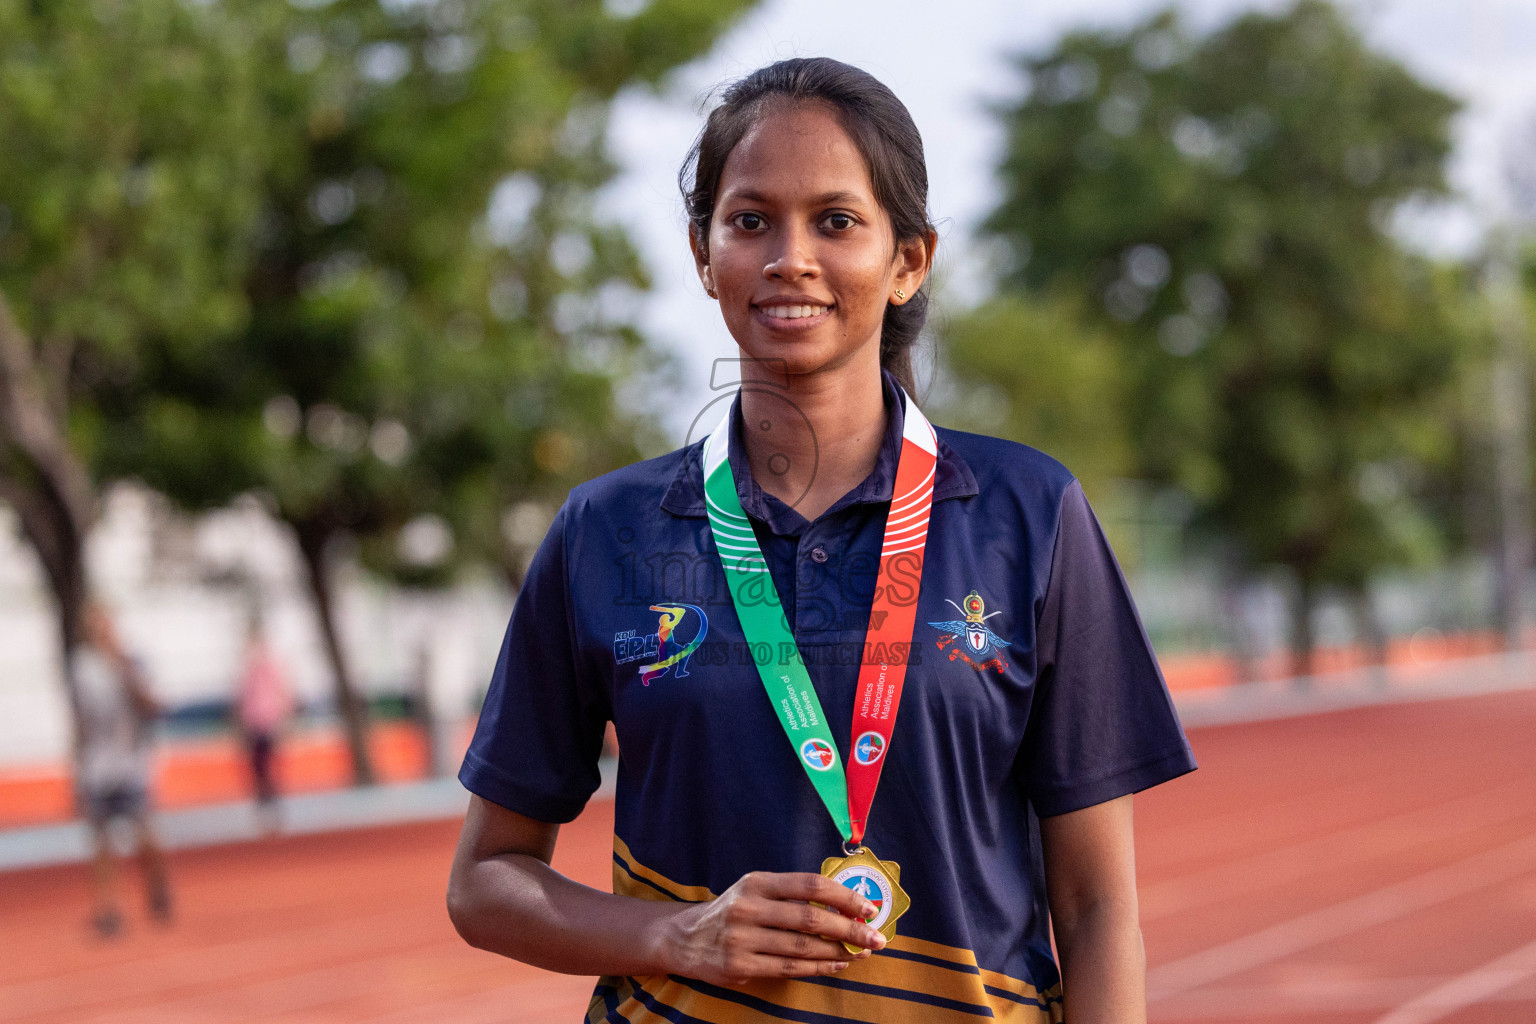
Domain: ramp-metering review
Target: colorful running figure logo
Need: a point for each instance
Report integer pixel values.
(670, 616)
(868, 748)
(818, 754)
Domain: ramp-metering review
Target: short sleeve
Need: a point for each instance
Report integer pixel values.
(536, 746)
(1101, 722)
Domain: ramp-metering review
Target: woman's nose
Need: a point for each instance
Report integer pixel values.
(793, 259)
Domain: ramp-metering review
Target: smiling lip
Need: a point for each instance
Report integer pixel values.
(791, 312)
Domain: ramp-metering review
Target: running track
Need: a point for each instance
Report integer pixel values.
(1372, 866)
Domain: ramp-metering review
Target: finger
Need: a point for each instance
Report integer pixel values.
(768, 966)
(797, 945)
(806, 918)
(802, 885)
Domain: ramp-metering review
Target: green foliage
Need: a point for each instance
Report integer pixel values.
(1221, 206)
(1031, 371)
(127, 182)
(406, 354)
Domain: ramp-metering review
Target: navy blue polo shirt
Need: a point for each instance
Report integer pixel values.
(1056, 704)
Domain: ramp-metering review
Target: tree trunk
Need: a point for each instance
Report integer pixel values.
(425, 712)
(1511, 385)
(1303, 643)
(47, 484)
(1239, 636)
(1372, 637)
(313, 539)
(60, 547)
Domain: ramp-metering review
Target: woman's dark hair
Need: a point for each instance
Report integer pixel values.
(879, 125)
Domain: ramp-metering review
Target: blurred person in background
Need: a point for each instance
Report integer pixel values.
(862, 551)
(265, 705)
(117, 716)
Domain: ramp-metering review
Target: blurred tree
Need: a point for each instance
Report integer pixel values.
(128, 158)
(1508, 424)
(438, 315)
(1036, 370)
(1223, 206)
(1510, 387)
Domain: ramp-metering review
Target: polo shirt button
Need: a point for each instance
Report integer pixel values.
(818, 554)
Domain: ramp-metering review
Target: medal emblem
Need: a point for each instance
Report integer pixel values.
(818, 754)
(868, 748)
(878, 881)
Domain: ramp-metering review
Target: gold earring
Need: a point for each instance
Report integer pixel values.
(901, 295)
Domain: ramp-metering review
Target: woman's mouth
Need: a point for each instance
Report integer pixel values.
(792, 317)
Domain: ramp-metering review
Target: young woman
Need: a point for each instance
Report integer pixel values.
(822, 561)
(264, 702)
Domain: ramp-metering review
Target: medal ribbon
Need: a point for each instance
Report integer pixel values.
(887, 641)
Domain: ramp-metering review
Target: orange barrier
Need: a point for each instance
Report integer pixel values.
(1203, 671)
(205, 771)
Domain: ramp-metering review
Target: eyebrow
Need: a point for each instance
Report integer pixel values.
(825, 199)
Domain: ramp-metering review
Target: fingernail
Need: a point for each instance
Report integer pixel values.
(873, 936)
(841, 965)
(869, 910)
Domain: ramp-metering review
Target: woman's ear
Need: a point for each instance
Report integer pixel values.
(700, 248)
(914, 261)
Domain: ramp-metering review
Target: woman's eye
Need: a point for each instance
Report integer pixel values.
(839, 221)
(749, 221)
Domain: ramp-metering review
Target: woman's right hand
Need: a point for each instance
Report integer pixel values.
(766, 926)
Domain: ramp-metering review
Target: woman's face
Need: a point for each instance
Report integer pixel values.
(799, 254)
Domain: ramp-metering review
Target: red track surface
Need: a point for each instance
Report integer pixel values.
(1374, 865)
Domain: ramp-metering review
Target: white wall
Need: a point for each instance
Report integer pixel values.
(167, 579)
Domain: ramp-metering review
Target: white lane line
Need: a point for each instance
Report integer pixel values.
(1379, 906)
(1357, 844)
(1304, 999)
(1475, 986)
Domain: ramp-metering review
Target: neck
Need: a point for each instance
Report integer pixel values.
(813, 438)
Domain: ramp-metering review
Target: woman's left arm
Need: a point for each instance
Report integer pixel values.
(1090, 880)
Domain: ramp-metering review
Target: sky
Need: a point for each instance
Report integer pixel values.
(947, 60)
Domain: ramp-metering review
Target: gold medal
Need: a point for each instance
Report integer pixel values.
(878, 881)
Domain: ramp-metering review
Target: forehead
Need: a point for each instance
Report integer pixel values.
(794, 151)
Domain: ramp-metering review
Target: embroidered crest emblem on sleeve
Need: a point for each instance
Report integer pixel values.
(970, 639)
